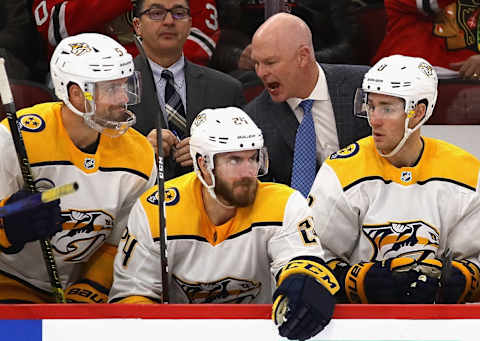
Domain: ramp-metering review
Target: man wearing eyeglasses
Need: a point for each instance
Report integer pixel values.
(182, 88)
(397, 213)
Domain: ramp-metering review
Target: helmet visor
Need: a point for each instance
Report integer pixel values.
(106, 104)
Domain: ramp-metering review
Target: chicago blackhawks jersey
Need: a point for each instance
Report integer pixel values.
(365, 209)
(232, 263)
(109, 183)
(57, 19)
(443, 31)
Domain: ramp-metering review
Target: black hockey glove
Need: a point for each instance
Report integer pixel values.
(33, 224)
(397, 280)
(460, 283)
(304, 302)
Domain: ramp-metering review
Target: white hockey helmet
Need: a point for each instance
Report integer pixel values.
(91, 60)
(224, 130)
(410, 78)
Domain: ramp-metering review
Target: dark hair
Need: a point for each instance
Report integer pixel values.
(139, 7)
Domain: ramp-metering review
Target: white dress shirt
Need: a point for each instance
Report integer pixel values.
(323, 117)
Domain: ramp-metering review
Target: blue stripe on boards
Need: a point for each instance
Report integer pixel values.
(21, 330)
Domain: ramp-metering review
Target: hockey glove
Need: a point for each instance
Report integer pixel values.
(40, 222)
(461, 282)
(397, 280)
(304, 302)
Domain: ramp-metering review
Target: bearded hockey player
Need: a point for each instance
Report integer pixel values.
(231, 239)
(85, 138)
(398, 213)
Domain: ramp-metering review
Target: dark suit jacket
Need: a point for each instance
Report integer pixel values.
(206, 88)
(279, 124)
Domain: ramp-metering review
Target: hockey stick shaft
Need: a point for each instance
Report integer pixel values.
(36, 199)
(9, 104)
(160, 182)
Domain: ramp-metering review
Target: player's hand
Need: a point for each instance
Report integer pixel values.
(302, 307)
(182, 153)
(469, 68)
(396, 280)
(460, 282)
(40, 222)
(169, 140)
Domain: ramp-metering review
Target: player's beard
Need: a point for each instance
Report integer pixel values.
(241, 193)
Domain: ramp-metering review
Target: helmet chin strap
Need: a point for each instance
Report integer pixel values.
(406, 135)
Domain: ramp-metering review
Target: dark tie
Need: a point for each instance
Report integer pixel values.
(305, 156)
(174, 106)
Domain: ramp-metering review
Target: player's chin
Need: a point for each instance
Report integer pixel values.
(244, 194)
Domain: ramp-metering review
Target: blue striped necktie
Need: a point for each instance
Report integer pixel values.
(174, 106)
(305, 154)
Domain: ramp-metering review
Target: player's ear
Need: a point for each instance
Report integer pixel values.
(76, 96)
(137, 26)
(420, 111)
(202, 165)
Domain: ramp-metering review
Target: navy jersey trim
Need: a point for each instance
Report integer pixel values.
(101, 169)
(121, 169)
(369, 178)
(202, 239)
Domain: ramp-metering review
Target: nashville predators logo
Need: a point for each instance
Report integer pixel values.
(79, 49)
(199, 120)
(83, 233)
(32, 123)
(346, 152)
(426, 69)
(226, 290)
(414, 239)
(171, 196)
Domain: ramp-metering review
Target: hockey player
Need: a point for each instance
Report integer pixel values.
(57, 19)
(228, 234)
(397, 213)
(86, 138)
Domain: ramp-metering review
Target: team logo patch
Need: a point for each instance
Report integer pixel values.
(199, 120)
(406, 176)
(171, 196)
(426, 69)
(83, 233)
(89, 163)
(153, 198)
(226, 290)
(415, 239)
(32, 123)
(346, 152)
(79, 49)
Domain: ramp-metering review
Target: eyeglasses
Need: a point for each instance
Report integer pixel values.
(160, 13)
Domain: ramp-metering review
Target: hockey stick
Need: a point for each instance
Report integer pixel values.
(36, 199)
(160, 181)
(9, 104)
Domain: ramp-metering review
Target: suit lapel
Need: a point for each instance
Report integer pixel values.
(195, 90)
(284, 119)
(341, 102)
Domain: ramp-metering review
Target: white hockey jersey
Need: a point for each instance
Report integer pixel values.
(109, 183)
(232, 263)
(365, 209)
